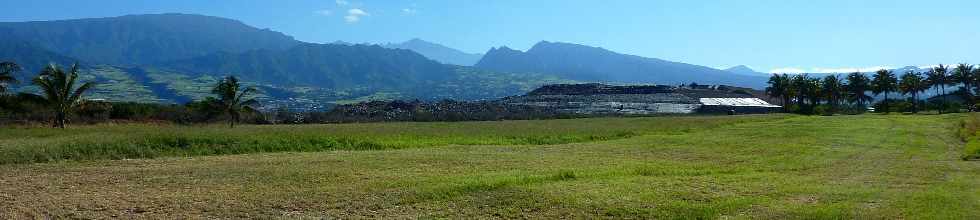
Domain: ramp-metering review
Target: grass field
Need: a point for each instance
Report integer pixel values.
(752, 167)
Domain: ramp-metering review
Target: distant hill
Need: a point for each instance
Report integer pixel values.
(438, 52)
(333, 66)
(745, 70)
(29, 56)
(144, 39)
(579, 62)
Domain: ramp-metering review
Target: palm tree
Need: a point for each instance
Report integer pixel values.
(937, 77)
(833, 90)
(232, 101)
(60, 91)
(936, 81)
(806, 91)
(913, 83)
(963, 74)
(779, 88)
(7, 70)
(884, 82)
(976, 80)
(813, 92)
(798, 84)
(857, 86)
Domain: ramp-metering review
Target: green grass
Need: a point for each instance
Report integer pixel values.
(759, 167)
(129, 141)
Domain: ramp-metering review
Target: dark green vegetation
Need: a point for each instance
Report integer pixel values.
(832, 94)
(763, 167)
(30, 144)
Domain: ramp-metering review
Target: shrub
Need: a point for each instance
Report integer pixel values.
(968, 132)
(972, 151)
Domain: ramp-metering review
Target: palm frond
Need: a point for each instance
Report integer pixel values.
(77, 94)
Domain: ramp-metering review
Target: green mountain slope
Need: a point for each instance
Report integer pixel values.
(175, 58)
(144, 39)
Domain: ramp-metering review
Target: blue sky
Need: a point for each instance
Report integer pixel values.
(827, 35)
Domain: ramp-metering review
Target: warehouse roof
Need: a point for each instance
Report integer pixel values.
(746, 102)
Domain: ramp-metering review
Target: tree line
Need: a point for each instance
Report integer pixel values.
(60, 97)
(801, 93)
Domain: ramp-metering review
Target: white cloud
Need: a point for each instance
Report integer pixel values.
(357, 12)
(354, 15)
(409, 11)
(829, 70)
(352, 19)
(342, 2)
(324, 12)
(850, 69)
(787, 70)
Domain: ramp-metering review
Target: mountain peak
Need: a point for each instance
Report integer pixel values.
(740, 68)
(744, 70)
(437, 52)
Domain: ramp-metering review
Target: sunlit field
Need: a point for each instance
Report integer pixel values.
(746, 167)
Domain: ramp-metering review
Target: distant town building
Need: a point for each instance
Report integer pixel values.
(644, 99)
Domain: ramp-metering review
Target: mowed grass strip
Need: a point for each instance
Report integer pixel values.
(135, 141)
(847, 167)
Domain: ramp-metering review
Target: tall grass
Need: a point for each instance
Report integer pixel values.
(968, 132)
(130, 141)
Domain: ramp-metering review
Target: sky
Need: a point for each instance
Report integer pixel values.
(768, 36)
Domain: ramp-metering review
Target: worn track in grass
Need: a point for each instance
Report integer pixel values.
(871, 166)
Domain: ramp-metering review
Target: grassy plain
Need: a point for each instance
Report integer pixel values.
(753, 167)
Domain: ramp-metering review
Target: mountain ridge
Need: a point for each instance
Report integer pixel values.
(581, 62)
(437, 52)
(145, 39)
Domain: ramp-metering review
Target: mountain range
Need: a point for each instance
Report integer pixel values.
(178, 57)
(585, 63)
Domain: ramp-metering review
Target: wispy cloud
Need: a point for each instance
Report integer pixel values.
(787, 70)
(342, 2)
(323, 12)
(354, 15)
(851, 69)
(409, 11)
(829, 70)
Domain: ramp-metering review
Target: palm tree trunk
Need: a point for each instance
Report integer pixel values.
(885, 102)
(938, 94)
(234, 119)
(942, 107)
(785, 103)
(60, 120)
(915, 101)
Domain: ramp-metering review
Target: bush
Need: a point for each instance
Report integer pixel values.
(968, 132)
(824, 110)
(972, 151)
